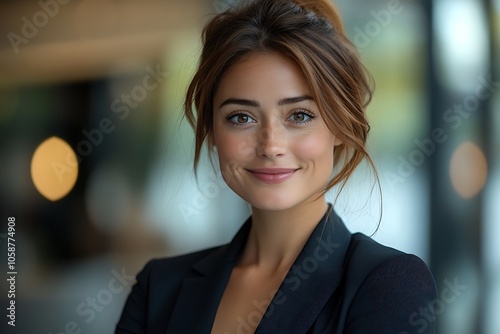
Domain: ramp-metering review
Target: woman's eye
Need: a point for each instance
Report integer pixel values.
(300, 117)
(240, 119)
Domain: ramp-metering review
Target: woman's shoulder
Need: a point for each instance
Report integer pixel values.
(367, 255)
(386, 286)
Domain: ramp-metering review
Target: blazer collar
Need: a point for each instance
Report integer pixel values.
(310, 283)
(201, 291)
(312, 280)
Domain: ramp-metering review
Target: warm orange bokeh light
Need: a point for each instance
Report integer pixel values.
(54, 168)
(468, 170)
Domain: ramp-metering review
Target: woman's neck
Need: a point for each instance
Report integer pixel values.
(277, 237)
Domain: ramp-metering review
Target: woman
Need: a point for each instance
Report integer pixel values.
(280, 95)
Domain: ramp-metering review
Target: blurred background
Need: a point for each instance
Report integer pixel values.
(96, 162)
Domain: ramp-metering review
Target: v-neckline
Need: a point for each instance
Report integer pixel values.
(308, 285)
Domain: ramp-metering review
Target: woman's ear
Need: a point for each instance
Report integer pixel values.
(337, 142)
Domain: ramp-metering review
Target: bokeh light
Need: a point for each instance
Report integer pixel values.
(54, 168)
(461, 46)
(468, 170)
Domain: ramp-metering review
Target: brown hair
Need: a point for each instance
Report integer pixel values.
(311, 33)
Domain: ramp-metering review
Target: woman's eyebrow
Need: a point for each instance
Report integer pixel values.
(253, 103)
(292, 100)
(242, 102)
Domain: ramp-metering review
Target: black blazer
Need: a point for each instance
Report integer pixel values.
(339, 283)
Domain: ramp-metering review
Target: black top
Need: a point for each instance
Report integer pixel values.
(339, 283)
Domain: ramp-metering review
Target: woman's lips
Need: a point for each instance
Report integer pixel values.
(272, 175)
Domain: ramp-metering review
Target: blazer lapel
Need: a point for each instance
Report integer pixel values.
(201, 291)
(311, 282)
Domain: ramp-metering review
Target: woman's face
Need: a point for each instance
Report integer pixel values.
(274, 148)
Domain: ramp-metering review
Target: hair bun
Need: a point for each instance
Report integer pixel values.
(323, 8)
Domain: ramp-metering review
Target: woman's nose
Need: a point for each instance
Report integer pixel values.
(271, 141)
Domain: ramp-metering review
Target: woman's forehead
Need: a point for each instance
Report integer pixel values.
(267, 73)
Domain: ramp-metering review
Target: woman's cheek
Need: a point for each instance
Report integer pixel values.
(234, 148)
(246, 149)
(313, 147)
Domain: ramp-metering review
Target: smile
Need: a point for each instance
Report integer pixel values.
(272, 175)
